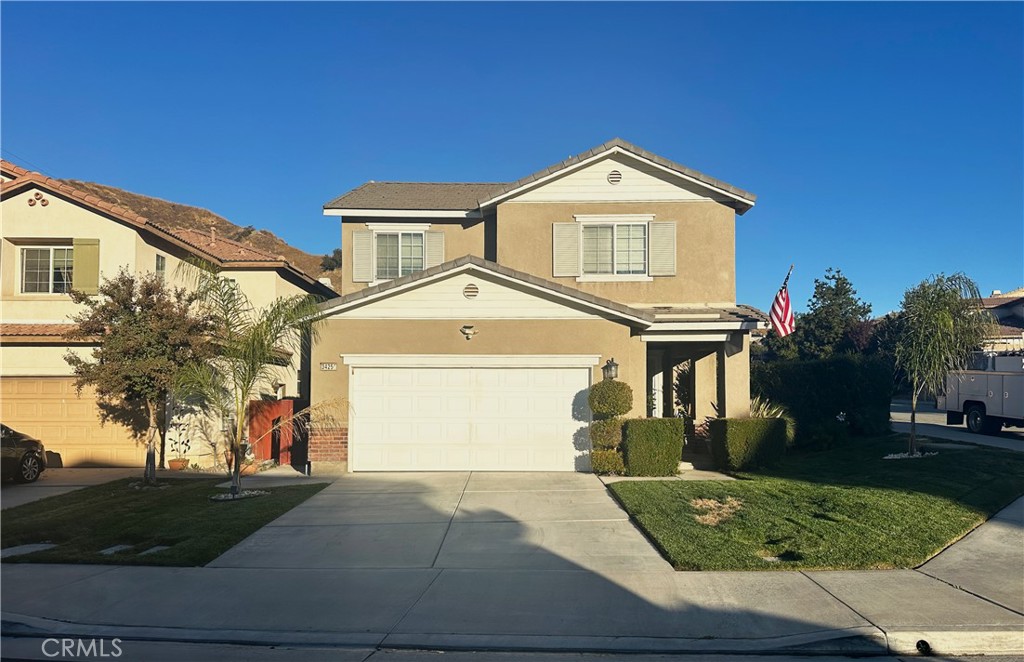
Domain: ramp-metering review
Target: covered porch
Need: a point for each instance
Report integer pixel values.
(698, 362)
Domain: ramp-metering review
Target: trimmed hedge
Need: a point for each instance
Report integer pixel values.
(606, 434)
(829, 398)
(606, 461)
(746, 443)
(653, 446)
(610, 398)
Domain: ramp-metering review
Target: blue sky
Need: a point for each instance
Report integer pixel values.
(883, 139)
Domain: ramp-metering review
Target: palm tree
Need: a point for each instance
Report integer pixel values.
(942, 321)
(249, 343)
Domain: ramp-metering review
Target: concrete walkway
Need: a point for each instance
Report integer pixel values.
(514, 562)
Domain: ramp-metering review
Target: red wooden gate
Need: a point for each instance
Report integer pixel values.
(270, 439)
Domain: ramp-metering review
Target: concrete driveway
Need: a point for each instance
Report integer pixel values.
(511, 521)
(60, 481)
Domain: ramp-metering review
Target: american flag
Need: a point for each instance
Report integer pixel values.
(782, 311)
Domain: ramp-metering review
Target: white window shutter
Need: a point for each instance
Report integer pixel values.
(663, 249)
(434, 249)
(362, 256)
(566, 254)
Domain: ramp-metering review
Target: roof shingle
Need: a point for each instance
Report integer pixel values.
(415, 195)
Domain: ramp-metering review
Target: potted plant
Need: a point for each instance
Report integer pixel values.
(180, 448)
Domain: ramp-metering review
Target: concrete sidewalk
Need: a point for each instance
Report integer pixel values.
(956, 610)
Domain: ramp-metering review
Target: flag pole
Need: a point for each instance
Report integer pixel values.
(786, 282)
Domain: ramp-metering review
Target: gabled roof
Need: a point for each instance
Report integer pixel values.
(222, 252)
(467, 198)
(744, 199)
(467, 262)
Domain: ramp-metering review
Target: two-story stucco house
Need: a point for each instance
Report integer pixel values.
(475, 317)
(56, 238)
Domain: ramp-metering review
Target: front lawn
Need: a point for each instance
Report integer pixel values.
(841, 509)
(179, 515)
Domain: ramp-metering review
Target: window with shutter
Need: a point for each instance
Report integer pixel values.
(615, 247)
(85, 275)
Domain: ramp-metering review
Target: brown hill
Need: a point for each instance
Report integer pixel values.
(173, 216)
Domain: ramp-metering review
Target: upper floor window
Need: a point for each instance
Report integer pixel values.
(614, 247)
(386, 251)
(398, 254)
(161, 267)
(619, 249)
(47, 269)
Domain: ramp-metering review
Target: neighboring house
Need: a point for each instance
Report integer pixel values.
(1008, 309)
(56, 238)
(475, 317)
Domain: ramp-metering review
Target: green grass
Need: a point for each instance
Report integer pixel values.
(181, 515)
(846, 508)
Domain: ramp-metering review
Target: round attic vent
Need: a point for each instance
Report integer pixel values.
(614, 177)
(470, 291)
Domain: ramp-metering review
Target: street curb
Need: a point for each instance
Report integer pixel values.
(857, 641)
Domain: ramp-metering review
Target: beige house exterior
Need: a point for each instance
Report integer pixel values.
(56, 238)
(475, 317)
(1008, 310)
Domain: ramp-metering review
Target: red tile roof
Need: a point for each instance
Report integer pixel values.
(18, 330)
(226, 250)
(220, 251)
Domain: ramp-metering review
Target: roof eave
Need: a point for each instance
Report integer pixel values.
(402, 213)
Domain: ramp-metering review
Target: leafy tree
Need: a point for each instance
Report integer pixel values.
(332, 261)
(941, 322)
(834, 323)
(146, 333)
(249, 341)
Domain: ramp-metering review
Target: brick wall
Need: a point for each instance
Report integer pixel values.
(328, 445)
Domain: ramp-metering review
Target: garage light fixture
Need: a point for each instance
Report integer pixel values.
(610, 369)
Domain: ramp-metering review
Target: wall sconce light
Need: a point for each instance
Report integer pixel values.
(278, 389)
(610, 369)
(469, 331)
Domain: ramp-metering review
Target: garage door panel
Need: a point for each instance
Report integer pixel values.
(465, 418)
(68, 424)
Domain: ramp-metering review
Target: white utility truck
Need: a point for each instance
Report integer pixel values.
(989, 395)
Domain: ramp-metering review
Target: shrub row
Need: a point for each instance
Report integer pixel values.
(653, 446)
(746, 443)
(829, 397)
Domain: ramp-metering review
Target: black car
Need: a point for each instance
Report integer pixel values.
(24, 458)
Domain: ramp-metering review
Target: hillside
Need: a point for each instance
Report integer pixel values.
(172, 216)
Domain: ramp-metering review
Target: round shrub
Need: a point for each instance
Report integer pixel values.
(606, 434)
(610, 398)
(607, 461)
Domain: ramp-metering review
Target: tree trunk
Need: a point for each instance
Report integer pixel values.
(912, 449)
(149, 476)
(162, 428)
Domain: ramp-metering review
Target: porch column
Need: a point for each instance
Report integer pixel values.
(733, 371)
(668, 386)
(705, 385)
(655, 384)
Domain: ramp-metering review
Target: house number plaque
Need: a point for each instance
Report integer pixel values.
(328, 366)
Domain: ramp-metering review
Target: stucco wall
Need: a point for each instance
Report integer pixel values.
(496, 337)
(59, 220)
(705, 249)
(461, 237)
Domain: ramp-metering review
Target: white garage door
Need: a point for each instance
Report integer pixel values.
(469, 418)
